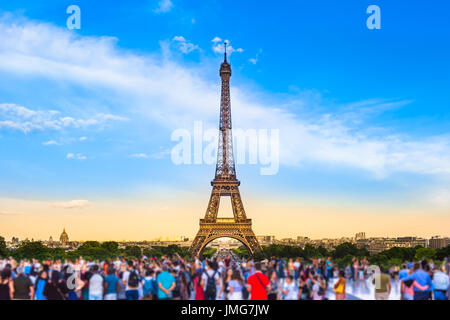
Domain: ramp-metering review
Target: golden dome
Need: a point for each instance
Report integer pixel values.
(64, 236)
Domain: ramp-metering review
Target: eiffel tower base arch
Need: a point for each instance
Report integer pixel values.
(225, 228)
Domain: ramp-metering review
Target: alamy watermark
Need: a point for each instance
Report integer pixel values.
(252, 146)
(374, 20)
(74, 20)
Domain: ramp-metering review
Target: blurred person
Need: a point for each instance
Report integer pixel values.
(340, 286)
(130, 278)
(23, 287)
(6, 284)
(383, 287)
(273, 293)
(95, 284)
(423, 279)
(236, 286)
(52, 290)
(258, 283)
(166, 283)
(288, 291)
(111, 284)
(210, 280)
(441, 283)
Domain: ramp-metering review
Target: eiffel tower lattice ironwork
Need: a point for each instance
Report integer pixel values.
(225, 184)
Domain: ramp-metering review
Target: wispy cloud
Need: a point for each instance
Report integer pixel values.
(20, 118)
(219, 46)
(52, 143)
(73, 204)
(140, 155)
(164, 6)
(162, 153)
(183, 45)
(77, 156)
(256, 58)
(439, 197)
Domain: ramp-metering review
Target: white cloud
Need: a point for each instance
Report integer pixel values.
(156, 155)
(26, 120)
(256, 58)
(183, 45)
(219, 46)
(52, 143)
(175, 96)
(74, 204)
(77, 156)
(81, 139)
(164, 6)
(140, 155)
(439, 197)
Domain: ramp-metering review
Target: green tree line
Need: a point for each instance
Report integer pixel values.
(93, 250)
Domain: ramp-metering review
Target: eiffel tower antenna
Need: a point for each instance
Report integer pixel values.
(225, 51)
(225, 184)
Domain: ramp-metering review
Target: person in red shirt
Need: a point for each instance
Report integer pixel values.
(258, 284)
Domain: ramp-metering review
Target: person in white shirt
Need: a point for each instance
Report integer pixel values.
(288, 289)
(208, 274)
(95, 285)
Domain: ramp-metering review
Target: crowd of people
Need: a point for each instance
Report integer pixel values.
(222, 278)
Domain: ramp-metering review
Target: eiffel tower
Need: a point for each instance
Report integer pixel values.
(225, 184)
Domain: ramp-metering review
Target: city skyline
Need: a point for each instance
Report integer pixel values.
(182, 237)
(86, 142)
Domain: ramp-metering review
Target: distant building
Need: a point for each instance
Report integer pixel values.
(266, 240)
(64, 238)
(360, 236)
(438, 242)
(412, 242)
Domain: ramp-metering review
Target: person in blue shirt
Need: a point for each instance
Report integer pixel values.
(422, 278)
(403, 272)
(409, 264)
(41, 282)
(166, 284)
(329, 268)
(112, 285)
(441, 283)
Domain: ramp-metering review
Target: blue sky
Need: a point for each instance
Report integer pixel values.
(363, 114)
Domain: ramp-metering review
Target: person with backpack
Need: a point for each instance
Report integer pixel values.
(147, 284)
(130, 279)
(210, 280)
(176, 292)
(166, 283)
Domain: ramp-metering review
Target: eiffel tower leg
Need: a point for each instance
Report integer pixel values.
(199, 242)
(238, 207)
(210, 216)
